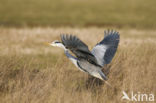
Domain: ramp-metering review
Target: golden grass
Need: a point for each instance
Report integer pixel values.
(32, 72)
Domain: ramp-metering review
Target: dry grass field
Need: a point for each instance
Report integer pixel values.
(32, 72)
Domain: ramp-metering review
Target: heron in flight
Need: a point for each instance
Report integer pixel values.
(88, 61)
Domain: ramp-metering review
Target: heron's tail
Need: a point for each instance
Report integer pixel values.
(103, 75)
(104, 78)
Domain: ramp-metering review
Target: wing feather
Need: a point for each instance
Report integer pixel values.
(77, 47)
(105, 50)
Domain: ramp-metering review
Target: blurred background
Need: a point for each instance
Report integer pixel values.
(81, 13)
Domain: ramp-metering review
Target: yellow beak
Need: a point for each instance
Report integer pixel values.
(46, 43)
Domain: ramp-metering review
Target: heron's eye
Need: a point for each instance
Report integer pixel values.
(57, 42)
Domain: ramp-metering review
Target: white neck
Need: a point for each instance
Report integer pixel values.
(60, 45)
(72, 58)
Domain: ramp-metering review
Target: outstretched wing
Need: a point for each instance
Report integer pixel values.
(105, 50)
(77, 47)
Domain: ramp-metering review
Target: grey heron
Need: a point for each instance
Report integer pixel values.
(87, 61)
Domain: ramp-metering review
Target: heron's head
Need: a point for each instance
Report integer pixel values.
(57, 43)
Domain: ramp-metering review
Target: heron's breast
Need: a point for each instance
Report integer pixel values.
(87, 66)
